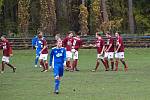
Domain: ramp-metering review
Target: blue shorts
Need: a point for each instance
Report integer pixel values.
(58, 70)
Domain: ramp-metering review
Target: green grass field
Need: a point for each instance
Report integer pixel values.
(28, 83)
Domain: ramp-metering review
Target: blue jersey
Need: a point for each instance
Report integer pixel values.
(37, 43)
(58, 56)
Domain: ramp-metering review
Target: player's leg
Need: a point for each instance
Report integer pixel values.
(3, 65)
(111, 56)
(5, 60)
(11, 66)
(104, 63)
(37, 58)
(106, 60)
(124, 63)
(68, 62)
(75, 61)
(117, 61)
(97, 63)
(45, 62)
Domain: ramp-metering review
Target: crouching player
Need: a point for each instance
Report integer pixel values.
(100, 45)
(58, 55)
(7, 52)
(119, 53)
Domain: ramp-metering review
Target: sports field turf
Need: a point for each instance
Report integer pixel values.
(28, 83)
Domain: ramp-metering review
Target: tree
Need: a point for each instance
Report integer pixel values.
(83, 16)
(130, 15)
(23, 16)
(48, 16)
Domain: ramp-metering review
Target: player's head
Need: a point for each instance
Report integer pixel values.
(107, 34)
(3, 38)
(40, 34)
(59, 43)
(70, 34)
(57, 37)
(117, 34)
(98, 34)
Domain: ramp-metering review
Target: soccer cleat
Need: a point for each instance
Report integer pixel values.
(56, 92)
(35, 65)
(42, 70)
(93, 70)
(77, 70)
(14, 69)
(45, 70)
(40, 66)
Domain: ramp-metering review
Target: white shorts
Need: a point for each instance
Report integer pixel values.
(119, 55)
(99, 56)
(68, 54)
(109, 55)
(75, 55)
(5, 59)
(43, 56)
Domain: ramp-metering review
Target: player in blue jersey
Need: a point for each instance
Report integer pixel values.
(36, 42)
(58, 56)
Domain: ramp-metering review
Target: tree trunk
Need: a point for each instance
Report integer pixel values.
(104, 11)
(131, 19)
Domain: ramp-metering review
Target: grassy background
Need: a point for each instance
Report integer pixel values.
(28, 83)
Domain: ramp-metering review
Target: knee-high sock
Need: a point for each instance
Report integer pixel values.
(97, 64)
(57, 82)
(75, 63)
(68, 64)
(112, 65)
(10, 65)
(123, 62)
(46, 65)
(3, 65)
(36, 60)
(104, 63)
(116, 65)
(42, 63)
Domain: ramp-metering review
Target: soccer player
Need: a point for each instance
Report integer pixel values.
(77, 42)
(109, 51)
(7, 52)
(119, 53)
(58, 55)
(36, 42)
(43, 54)
(67, 43)
(100, 45)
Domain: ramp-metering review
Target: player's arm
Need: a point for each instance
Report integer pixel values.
(109, 47)
(45, 46)
(119, 45)
(51, 58)
(64, 57)
(103, 43)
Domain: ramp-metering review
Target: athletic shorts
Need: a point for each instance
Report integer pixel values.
(43, 56)
(58, 70)
(109, 55)
(75, 55)
(99, 56)
(5, 59)
(68, 54)
(38, 53)
(119, 55)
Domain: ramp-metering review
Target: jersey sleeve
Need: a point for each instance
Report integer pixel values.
(34, 41)
(64, 55)
(51, 57)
